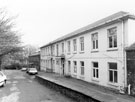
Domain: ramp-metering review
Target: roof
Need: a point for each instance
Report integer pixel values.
(131, 47)
(99, 23)
(35, 53)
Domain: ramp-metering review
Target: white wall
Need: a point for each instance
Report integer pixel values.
(102, 56)
(131, 32)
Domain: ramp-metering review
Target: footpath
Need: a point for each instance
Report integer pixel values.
(100, 94)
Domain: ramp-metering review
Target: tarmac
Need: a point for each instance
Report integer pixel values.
(97, 92)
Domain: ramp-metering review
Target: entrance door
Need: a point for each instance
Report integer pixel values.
(63, 66)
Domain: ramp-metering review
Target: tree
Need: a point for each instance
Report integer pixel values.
(27, 51)
(9, 38)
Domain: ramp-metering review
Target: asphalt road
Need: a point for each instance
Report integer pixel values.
(22, 87)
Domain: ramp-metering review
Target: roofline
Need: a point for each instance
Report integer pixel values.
(120, 18)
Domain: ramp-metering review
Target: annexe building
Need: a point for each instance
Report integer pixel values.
(95, 53)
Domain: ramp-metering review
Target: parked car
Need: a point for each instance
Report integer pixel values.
(3, 79)
(23, 69)
(32, 71)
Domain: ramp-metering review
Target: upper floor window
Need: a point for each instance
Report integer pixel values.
(53, 50)
(82, 67)
(62, 47)
(113, 72)
(74, 45)
(112, 37)
(95, 41)
(81, 43)
(68, 45)
(57, 48)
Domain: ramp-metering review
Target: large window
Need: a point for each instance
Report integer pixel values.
(75, 66)
(74, 45)
(112, 37)
(68, 45)
(95, 41)
(113, 72)
(81, 43)
(95, 70)
(82, 67)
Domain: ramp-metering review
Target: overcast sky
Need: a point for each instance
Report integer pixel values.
(41, 21)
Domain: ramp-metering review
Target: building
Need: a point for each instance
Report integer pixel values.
(95, 53)
(34, 60)
(130, 56)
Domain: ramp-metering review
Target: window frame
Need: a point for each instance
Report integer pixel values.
(75, 66)
(68, 46)
(82, 72)
(113, 36)
(57, 49)
(95, 70)
(62, 47)
(95, 41)
(114, 80)
(74, 45)
(82, 44)
(69, 66)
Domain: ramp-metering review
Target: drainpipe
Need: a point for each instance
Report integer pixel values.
(124, 56)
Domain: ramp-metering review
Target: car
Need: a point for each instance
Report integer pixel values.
(3, 79)
(23, 69)
(32, 71)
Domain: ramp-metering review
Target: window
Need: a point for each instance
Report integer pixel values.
(68, 46)
(57, 49)
(95, 41)
(53, 49)
(75, 67)
(63, 47)
(113, 73)
(74, 45)
(69, 66)
(112, 37)
(95, 70)
(81, 43)
(82, 67)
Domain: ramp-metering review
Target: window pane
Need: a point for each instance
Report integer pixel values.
(93, 72)
(82, 63)
(95, 64)
(96, 44)
(113, 65)
(111, 76)
(97, 73)
(93, 44)
(110, 42)
(115, 76)
(115, 41)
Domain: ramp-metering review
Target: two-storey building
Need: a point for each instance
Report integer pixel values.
(94, 53)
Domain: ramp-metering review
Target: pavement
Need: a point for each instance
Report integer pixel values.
(22, 87)
(94, 91)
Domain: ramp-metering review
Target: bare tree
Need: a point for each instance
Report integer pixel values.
(9, 38)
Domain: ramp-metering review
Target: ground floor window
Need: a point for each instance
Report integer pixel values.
(95, 70)
(82, 67)
(113, 72)
(75, 67)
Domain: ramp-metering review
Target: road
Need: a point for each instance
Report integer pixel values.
(22, 87)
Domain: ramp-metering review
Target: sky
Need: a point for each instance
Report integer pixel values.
(42, 21)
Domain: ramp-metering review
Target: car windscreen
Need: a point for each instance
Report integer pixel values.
(33, 69)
